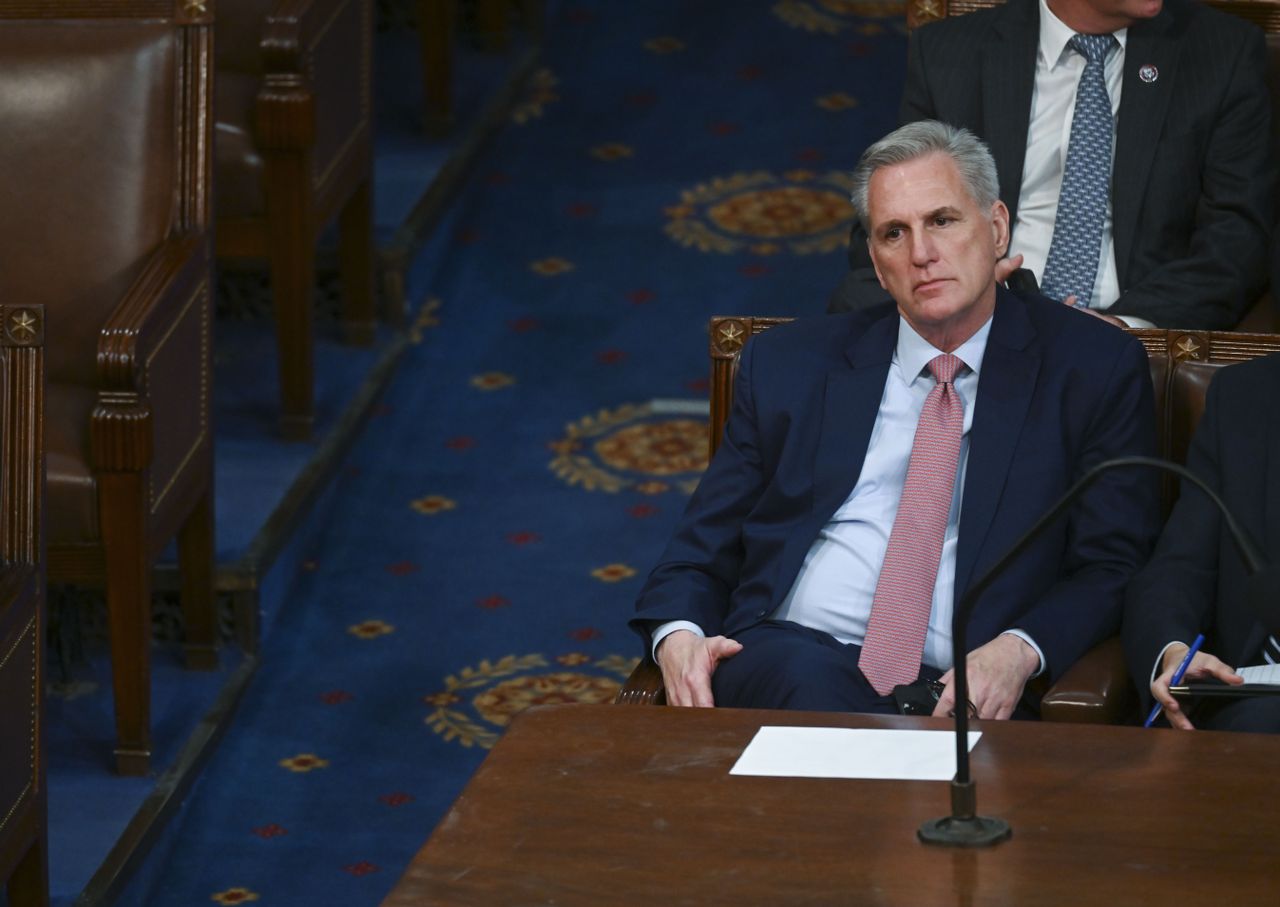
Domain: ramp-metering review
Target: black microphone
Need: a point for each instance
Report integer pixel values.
(964, 827)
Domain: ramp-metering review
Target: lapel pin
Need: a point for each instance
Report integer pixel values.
(1148, 73)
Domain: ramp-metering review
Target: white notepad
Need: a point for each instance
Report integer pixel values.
(1260, 674)
(827, 752)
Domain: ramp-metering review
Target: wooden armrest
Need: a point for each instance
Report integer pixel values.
(1094, 690)
(169, 297)
(643, 687)
(148, 310)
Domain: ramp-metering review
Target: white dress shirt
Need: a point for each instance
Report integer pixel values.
(834, 589)
(1053, 104)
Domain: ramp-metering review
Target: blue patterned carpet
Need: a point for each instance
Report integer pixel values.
(482, 546)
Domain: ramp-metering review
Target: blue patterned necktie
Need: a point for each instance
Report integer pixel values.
(1271, 650)
(1072, 263)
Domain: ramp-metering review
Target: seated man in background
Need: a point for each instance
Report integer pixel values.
(1196, 580)
(1133, 143)
(875, 464)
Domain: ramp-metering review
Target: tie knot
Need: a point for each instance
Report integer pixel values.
(945, 367)
(1093, 48)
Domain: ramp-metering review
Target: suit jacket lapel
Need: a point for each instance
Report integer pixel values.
(849, 413)
(1005, 387)
(1143, 106)
(1008, 77)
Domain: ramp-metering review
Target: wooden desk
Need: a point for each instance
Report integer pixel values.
(609, 805)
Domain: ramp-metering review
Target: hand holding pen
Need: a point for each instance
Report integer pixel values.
(1197, 664)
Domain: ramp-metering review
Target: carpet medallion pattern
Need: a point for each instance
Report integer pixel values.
(480, 550)
(479, 701)
(631, 447)
(800, 212)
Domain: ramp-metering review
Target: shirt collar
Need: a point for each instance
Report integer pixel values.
(1054, 35)
(914, 353)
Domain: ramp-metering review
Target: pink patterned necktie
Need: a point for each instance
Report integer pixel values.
(904, 593)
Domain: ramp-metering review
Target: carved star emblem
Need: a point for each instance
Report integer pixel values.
(928, 9)
(22, 325)
(731, 336)
(1187, 347)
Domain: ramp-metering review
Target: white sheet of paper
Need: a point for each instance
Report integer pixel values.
(1260, 674)
(829, 752)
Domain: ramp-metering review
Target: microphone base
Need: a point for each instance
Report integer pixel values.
(973, 831)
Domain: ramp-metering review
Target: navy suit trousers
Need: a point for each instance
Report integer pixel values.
(784, 665)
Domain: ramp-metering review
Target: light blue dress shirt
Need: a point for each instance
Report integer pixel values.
(834, 589)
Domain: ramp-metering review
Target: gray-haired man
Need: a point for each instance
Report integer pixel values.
(819, 561)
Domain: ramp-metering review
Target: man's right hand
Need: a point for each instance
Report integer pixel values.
(1202, 665)
(687, 661)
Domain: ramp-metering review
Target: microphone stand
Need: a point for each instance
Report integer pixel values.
(964, 827)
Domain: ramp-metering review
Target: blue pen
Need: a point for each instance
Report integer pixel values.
(1177, 676)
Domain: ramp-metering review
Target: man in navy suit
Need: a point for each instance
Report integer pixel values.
(1196, 581)
(1190, 204)
(764, 596)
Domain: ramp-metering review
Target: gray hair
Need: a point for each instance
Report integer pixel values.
(915, 140)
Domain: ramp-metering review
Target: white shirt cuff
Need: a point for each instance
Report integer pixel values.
(662, 631)
(1155, 669)
(1032, 643)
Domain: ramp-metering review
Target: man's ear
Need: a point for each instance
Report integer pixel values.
(1000, 227)
(871, 251)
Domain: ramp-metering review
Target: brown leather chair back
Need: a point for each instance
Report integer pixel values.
(1188, 386)
(81, 207)
(1188, 360)
(1159, 385)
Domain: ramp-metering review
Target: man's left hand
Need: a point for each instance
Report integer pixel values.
(997, 673)
(1109, 319)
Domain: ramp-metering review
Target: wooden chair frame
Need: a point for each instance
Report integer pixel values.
(23, 835)
(163, 320)
(307, 184)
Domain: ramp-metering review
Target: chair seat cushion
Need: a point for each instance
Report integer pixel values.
(238, 165)
(71, 498)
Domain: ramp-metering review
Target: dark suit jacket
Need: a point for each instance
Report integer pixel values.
(1192, 177)
(1059, 391)
(1196, 580)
